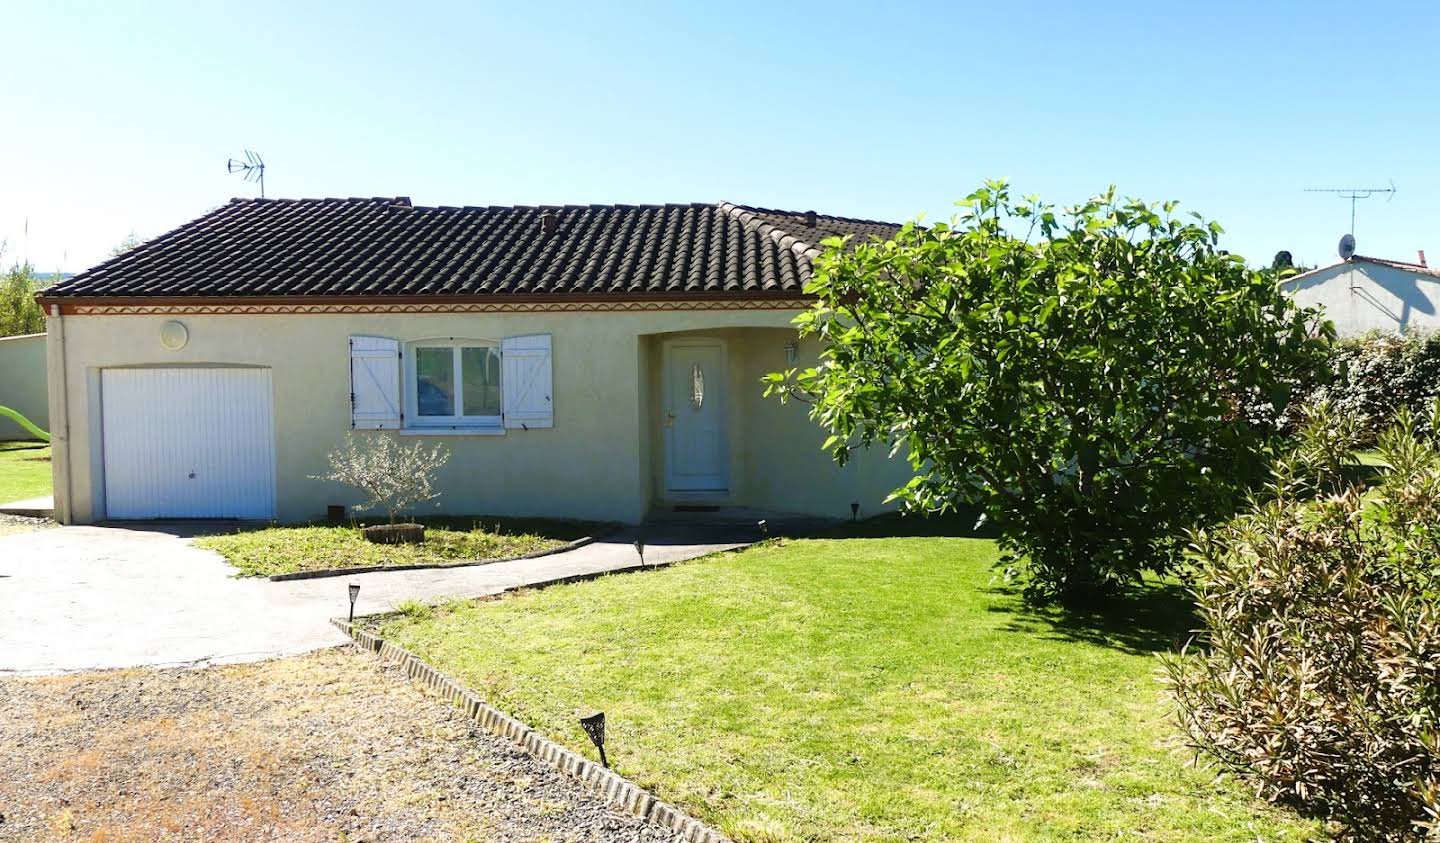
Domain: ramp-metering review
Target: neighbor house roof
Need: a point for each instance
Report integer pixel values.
(384, 247)
(1417, 268)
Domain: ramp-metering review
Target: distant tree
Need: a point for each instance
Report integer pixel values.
(131, 241)
(19, 312)
(1284, 265)
(1081, 383)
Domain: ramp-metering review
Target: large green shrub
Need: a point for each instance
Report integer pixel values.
(1079, 374)
(1317, 672)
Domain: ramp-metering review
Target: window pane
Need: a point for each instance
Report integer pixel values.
(435, 381)
(481, 369)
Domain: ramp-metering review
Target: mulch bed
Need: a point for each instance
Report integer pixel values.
(327, 746)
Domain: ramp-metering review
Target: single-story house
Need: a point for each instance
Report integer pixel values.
(1363, 294)
(599, 362)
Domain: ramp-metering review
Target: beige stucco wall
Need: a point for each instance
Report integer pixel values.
(599, 461)
(22, 383)
(1360, 297)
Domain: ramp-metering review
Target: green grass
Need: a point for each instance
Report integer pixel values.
(1371, 458)
(856, 688)
(24, 470)
(321, 547)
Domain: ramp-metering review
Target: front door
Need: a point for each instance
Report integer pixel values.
(695, 452)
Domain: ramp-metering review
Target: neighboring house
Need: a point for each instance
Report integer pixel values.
(584, 361)
(22, 384)
(1364, 294)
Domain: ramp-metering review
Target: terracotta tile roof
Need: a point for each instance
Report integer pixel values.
(384, 246)
(1412, 267)
(1353, 259)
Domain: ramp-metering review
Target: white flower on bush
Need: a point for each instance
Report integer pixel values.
(391, 475)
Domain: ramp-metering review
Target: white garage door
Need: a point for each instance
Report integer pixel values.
(188, 443)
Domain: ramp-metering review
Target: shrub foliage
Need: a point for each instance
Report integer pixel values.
(1080, 375)
(1379, 374)
(1317, 675)
(19, 312)
(393, 476)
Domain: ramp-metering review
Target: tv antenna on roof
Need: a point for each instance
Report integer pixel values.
(253, 167)
(1355, 194)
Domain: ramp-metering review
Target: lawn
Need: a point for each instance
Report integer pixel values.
(24, 470)
(856, 688)
(323, 547)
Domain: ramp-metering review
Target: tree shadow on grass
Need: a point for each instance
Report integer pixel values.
(1158, 617)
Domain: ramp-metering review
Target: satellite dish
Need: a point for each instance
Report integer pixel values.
(1347, 247)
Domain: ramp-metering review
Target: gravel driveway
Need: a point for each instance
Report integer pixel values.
(327, 746)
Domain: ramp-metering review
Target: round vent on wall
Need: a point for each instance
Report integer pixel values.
(1347, 247)
(174, 335)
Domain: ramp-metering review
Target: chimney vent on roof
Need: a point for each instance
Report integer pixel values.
(1422, 259)
(810, 219)
(403, 201)
(548, 223)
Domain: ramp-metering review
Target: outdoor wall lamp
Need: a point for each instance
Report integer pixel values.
(594, 727)
(792, 352)
(354, 595)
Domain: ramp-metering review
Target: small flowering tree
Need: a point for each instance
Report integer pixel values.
(392, 476)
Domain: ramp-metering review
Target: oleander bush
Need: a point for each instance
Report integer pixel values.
(1316, 674)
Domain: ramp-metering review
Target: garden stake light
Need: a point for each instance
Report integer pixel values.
(594, 727)
(764, 529)
(354, 594)
(854, 511)
(640, 549)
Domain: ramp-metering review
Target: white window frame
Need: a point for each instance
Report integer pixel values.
(415, 421)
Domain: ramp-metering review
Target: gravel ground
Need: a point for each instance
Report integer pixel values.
(21, 523)
(330, 746)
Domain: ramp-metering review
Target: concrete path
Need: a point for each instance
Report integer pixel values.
(42, 507)
(78, 598)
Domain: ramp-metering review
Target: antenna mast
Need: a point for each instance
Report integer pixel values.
(1355, 194)
(253, 167)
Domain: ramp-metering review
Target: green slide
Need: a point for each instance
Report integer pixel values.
(25, 423)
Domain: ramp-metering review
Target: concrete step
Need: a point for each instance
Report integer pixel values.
(30, 507)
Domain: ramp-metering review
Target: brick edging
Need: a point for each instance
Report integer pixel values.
(469, 563)
(617, 791)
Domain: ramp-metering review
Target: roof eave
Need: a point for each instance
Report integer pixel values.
(739, 300)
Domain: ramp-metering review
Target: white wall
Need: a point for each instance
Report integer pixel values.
(1360, 297)
(22, 384)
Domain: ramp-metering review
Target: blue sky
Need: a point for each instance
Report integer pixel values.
(117, 117)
